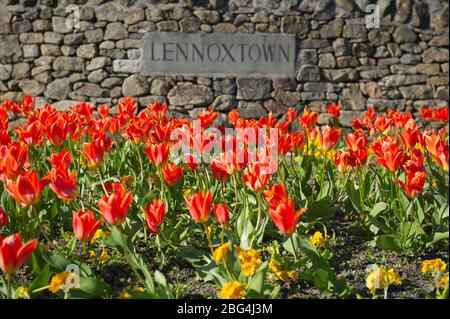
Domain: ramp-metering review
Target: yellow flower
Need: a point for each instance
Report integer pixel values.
(99, 234)
(81, 161)
(92, 253)
(221, 252)
(434, 266)
(22, 292)
(232, 290)
(382, 278)
(58, 281)
(317, 239)
(104, 257)
(293, 274)
(69, 235)
(250, 260)
(139, 289)
(127, 179)
(124, 295)
(442, 282)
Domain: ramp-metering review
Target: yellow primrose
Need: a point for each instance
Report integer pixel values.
(220, 252)
(434, 266)
(442, 282)
(232, 290)
(58, 282)
(250, 260)
(317, 239)
(104, 257)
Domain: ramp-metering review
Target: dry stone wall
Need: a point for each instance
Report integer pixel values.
(403, 64)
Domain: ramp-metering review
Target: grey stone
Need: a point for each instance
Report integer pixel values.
(31, 38)
(275, 107)
(68, 64)
(31, 87)
(381, 105)
(98, 63)
(135, 85)
(288, 98)
(327, 60)
(126, 66)
(30, 51)
(347, 61)
(73, 38)
(115, 31)
(294, 24)
(146, 100)
(50, 49)
(225, 86)
(159, 87)
(409, 58)
(108, 12)
(437, 81)
(342, 47)
(53, 37)
(23, 26)
(5, 71)
(42, 25)
(434, 54)
(253, 89)
(313, 96)
(318, 87)
(190, 24)
(403, 10)
(111, 82)
(354, 31)
(428, 68)
(307, 56)
(416, 92)
(308, 73)
(134, 15)
(224, 102)
(94, 36)
(224, 27)
(90, 90)
(58, 89)
(411, 48)
(97, 76)
(167, 26)
(87, 51)
(207, 16)
(378, 37)
(439, 41)
(341, 75)
(249, 109)
(284, 83)
(59, 25)
(313, 44)
(187, 93)
(21, 70)
(332, 29)
(404, 34)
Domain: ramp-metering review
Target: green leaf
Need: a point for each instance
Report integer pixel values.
(387, 242)
(354, 197)
(321, 279)
(160, 279)
(437, 237)
(40, 281)
(378, 208)
(94, 287)
(319, 210)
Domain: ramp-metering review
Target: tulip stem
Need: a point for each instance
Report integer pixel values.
(258, 221)
(294, 248)
(127, 257)
(223, 233)
(168, 242)
(44, 233)
(209, 239)
(101, 181)
(9, 286)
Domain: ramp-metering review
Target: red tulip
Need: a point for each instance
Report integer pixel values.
(207, 117)
(27, 188)
(13, 253)
(275, 194)
(221, 212)
(57, 131)
(284, 216)
(3, 218)
(199, 206)
(334, 110)
(256, 178)
(85, 225)
(94, 152)
(329, 137)
(115, 207)
(344, 161)
(172, 174)
(158, 153)
(190, 162)
(308, 119)
(414, 183)
(103, 111)
(154, 215)
(60, 160)
(388, 154)
(13, 158)
(441, 115)
(219, 169)
(426, 113)
(437, 148)
(63, 183)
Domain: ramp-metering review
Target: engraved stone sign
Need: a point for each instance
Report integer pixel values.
(218, 54)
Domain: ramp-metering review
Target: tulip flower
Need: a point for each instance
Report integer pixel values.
(329, 137)
(115, 207)
(64, 184)
(154, 215)
(13, 253)
(334, 110)
(207, 117)
(172, 174)
(437, 148)
(219, 170)
(94, 153)
(284, 216)
(27, 188)
(57, 131)
(158, 153)
(308, 118)
(221, 213)
(103, 111)
(3, 218)
(13, 160)
(414, 183)
(60, 160)
(85, 225)
(388, 154)
(441, 115)
(426, 113)
(256, 178)
(344, 161)
(199, 206)
(275, 194)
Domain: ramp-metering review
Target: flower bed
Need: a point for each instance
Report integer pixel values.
(102, 205)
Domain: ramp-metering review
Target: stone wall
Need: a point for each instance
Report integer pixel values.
(402, 64)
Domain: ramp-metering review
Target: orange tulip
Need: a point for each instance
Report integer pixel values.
(437, 148)
(154, 215)
(221, 213)
(308, 118)
(63, 183)
(329, 137)
(57, 131)
(426, 113)
(284, 216)
(172, 174)
(344, 161)
(85, 225)
(256, 178)
(334, 110)
(103, 111)
(13, 253)
(199, 206)
(115, 207)
(60, 160)
(158, 153)
(27, 188)
(388, 154)
(275, 194)
(94, 152)
(414, 183)
(3, 218)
